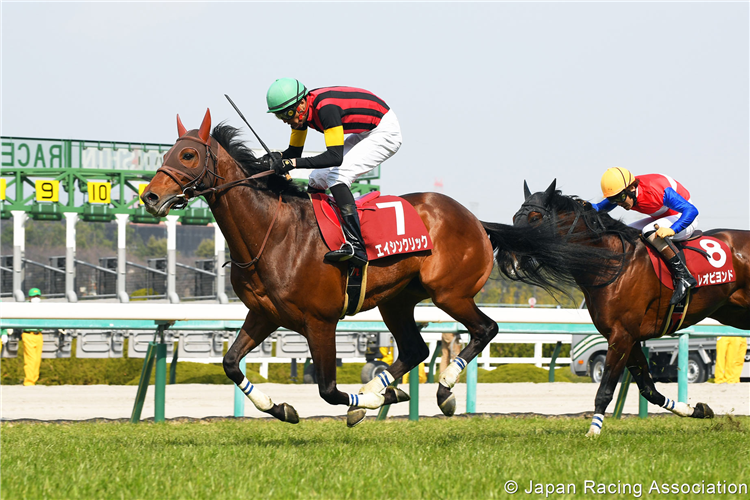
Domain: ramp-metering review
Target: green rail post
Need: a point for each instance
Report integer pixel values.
(173, 367)
(624, 386)
(555, 354)
(140, 397)
(642, 403)
(471, 386)
(239, 396)
(682, 368)
(414, 393)
(431, 368)
(383, 411)
(160, 381)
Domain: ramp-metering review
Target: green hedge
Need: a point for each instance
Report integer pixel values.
(125, 371)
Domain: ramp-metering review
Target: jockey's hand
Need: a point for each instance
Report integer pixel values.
(282, 166)
(267, 160)
(664, 232)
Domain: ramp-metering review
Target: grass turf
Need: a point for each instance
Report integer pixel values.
(434, 458)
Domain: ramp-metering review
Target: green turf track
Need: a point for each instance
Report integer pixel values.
(434, 458)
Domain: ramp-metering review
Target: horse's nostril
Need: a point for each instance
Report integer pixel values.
(150, 197)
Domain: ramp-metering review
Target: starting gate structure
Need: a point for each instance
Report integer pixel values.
(100, 181)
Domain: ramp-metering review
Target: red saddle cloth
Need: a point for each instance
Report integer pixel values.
(390, 225)
(716, 270)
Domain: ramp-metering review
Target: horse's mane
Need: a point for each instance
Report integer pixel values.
(540, 256)
(228, 137)
(599, 223)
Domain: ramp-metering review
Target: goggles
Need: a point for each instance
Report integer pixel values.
(619, 197)
(287, 114)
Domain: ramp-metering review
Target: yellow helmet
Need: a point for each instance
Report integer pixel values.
(615, 180)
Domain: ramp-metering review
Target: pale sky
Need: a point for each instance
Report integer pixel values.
(487, 94)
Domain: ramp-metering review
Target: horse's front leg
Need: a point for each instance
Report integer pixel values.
(638, 366)
(321, 337)
(254, 331)
(620, 345)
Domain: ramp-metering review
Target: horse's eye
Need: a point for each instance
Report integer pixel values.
(535, 217)
(188, 156)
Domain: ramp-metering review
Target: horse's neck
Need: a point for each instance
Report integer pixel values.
(243, 214)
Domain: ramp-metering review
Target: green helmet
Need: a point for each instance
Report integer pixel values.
(284, 93)
(35, 292)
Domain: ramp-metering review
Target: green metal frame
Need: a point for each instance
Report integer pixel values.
(20, 169)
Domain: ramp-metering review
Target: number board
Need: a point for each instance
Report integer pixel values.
(99, 192)
(141, 189)
(47, 190)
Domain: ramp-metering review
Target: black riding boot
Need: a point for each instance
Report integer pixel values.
(353, 248)
(682, 279)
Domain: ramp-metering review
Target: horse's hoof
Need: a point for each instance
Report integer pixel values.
(290, 414)
(355, 415)
(702, 410)
(592, 434)
(448, 407)
(394, 395)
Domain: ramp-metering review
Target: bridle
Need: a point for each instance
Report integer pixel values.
(194, 187)
(208, 170)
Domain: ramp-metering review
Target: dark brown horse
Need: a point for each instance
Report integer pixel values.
(279, 273)
(627, 302)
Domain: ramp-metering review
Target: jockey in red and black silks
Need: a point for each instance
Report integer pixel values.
(373, 135)
(670, 214)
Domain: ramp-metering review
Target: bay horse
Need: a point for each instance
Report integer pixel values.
(279, 273)
(627, 302)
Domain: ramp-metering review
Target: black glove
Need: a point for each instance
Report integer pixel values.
(282, 166)
(267, 160)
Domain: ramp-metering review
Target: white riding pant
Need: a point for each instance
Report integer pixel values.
(362, 153)
(647, 224)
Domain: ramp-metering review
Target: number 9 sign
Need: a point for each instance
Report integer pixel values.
(47, 190)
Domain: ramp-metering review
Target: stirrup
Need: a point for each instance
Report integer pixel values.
(341, 254)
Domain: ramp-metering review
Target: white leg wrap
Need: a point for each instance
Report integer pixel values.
(450, 375)
(596, 425)
(378, 384)
(681, 409)
(260, 400)
(369, 400)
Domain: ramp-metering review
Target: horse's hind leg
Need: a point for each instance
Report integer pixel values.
(254, 331)
(638, 366)
(398, 316)
(481, 328)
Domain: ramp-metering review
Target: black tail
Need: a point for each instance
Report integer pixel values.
(540, 257)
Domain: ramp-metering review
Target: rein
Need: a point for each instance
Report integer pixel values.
(192, 184)
(245, 265)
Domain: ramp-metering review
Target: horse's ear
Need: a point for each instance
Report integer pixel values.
(205, 126)
(181, 130)
(526, 191)
(550, 191)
